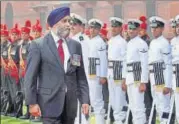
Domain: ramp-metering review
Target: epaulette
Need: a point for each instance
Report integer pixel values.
(143, 51)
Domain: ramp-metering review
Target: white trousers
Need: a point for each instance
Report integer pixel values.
(176, 98)
(96, 99)
(162, 102)
(136, 104)
(117, 99)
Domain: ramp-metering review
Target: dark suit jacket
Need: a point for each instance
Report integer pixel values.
(43, 62)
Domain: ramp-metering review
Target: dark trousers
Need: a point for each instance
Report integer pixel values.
(4, 80)
(172, 120)
(13, 88)
(105, 92)
(5, 95)
(62, 119)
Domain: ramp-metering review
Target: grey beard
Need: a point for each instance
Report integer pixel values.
(63, 33)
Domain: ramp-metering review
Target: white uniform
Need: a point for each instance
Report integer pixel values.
(160, 75)
(117, 47)
(83, 39)
(97, 68)
(137, 71)
(175, 62)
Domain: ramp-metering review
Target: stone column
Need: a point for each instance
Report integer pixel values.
(89, 9)
(150, 11)
(117, 8)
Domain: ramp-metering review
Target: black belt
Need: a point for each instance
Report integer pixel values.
(154, 67)
(92, 65)
(113, 63)
(157, 69)
(135, 67)
(117, 69)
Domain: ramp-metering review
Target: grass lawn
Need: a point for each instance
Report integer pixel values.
(10, 120)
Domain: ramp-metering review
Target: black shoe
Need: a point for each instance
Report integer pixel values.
(18, 115)
(2, 113)
(25, 117)
(37, 119)
(12, 114)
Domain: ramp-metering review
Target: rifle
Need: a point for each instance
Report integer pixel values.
(171, 107)
(6, 101)
(19, 103)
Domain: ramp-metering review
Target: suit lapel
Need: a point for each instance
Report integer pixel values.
(53, 48)
(70, 51)
(69, 46)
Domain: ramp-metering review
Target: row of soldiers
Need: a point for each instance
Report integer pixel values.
(122, 61)
(14, 50)
(142, 75)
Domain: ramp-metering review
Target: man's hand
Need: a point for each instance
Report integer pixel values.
(35, 110)
(85, 109)
(124, 86)
(142, 87)
(166, 90)
(103, 80)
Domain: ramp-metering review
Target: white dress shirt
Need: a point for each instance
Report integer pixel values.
(97, 49)
(137, 51)
(175, 50)
(117, 48)
(65, 49)
(175, 57)
(160, 51)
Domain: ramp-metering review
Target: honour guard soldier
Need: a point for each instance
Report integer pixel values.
(77, 24)
(104, 33)
(28, 25)
(160, 67)
(15, 36)
(97, 72)
(137, 72)
(147, 96)
(125, 33)
(172, 102)
(173, 25)
(13, 66)
(175, 62)
(37, 30)
(5, 96)
(143, 30)
(23, 52)
(117, 47)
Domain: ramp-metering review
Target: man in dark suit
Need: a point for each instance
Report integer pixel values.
(56, 61)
